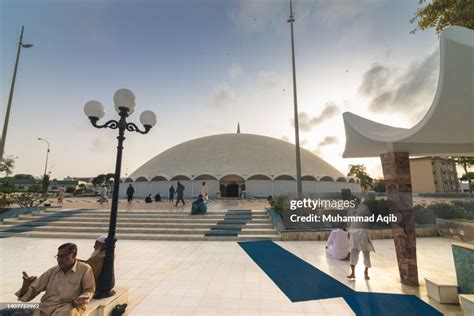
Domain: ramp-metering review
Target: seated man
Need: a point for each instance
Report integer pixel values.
(96, 259)
(148, 199)
(68, 286)
(338, 244)
(199, 206)
(158, 197)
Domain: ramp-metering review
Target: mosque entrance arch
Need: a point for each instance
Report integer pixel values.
(231, 186)
(232, 190)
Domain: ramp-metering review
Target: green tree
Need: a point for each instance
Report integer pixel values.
(439, 14)
(104, 178)
(360, 173)
(465, 163)
(29, 199)
(466, 176)
(23, 176)
(7, 165)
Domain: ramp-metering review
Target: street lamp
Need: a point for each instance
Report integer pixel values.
(12, 88)
(124, 105)
(299, 183)
(45, 176)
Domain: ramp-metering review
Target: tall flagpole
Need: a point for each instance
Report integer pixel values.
(299, 185)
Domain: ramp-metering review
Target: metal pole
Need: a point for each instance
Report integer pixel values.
(12, 88)
(299, 184)
(107, 276)
(45, 179)
(47, 156)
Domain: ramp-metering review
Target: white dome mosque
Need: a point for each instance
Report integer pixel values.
(236, 165)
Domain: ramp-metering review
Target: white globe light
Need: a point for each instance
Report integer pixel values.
(94, 109)
(148, 118)
(124, 98)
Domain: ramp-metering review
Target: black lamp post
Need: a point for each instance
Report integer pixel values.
(124, 104)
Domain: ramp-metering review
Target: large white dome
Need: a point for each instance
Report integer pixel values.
(239, 154)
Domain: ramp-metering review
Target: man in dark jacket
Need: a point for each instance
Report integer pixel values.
(172, 193)
(130, 192)
(180, 193)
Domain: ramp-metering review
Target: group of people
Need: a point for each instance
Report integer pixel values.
(344, 245)
(179, 191)
(70, 285)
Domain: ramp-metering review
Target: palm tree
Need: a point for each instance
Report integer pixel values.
(7, 165)
(465, 162)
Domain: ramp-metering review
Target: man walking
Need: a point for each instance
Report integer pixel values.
(180, 193)
(130, 193)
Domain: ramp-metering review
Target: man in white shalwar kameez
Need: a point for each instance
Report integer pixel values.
(205, 191)
(360, 241)
(338, 246)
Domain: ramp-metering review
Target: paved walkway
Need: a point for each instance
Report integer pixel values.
(218, 278)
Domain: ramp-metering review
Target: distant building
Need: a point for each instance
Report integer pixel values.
(433, 175)
(27, 184)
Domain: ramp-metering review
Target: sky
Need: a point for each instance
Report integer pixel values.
(202, 67)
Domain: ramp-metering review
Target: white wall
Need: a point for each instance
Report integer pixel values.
(162, 187)
(258, 187)
(123, 190)
(284, 187)
(355, 187)
(142, 189)
(327, 186)
(253, 187)
(310, 188)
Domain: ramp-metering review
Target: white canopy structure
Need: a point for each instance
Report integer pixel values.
(448, 126)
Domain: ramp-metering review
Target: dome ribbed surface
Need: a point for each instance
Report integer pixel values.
(241, 154)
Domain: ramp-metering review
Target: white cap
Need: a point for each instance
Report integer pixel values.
(101, 238)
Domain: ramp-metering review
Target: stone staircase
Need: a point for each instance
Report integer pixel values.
(237, 225)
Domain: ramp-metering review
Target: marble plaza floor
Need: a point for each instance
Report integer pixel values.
(219, 278)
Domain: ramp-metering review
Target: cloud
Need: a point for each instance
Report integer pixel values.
(329, 140)
(235, 71)
(375, 80)
(99, 144)
(269, 79)
(222, 97)
(337, 11)
(409, 92)
(306, 122)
